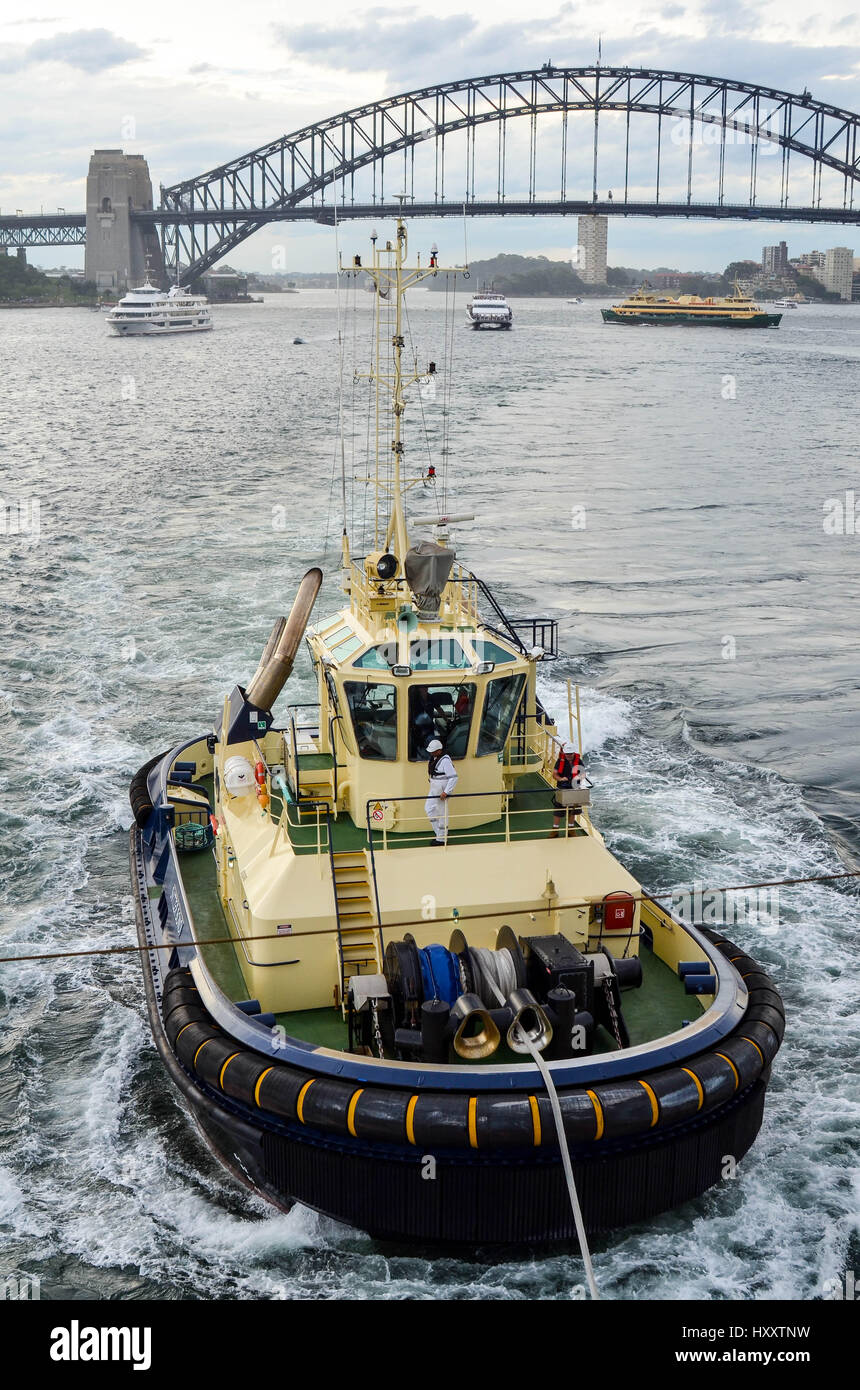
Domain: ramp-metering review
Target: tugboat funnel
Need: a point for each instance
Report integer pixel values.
(279, 653)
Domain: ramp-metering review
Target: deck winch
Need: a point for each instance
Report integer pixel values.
(543, 991)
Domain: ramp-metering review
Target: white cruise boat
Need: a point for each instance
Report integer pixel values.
(488, 309)
(151, 310)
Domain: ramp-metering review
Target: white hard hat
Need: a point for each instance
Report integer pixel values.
(569, 748)
(434, 746)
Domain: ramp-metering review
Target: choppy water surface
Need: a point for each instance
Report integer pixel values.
(709, 615)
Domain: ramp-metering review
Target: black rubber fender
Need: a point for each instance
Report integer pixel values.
(138, 792)
(191, 1039)
(610, 1111)
(280, 1089)
(179, 1017)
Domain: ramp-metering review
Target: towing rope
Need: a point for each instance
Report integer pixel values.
(498, 977)
(422, 921)
(497, 968)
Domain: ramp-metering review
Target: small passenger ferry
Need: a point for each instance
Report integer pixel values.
(345, 1013)
(737, 310)
(488, 309)
(151, 310)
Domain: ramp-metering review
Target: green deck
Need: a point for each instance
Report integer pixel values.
(314, 762)
(198, 876)
(531, 818)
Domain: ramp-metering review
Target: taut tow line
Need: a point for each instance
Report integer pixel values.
(421, 921)
(497, 966)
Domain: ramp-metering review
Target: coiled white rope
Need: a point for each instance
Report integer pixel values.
(498, 972)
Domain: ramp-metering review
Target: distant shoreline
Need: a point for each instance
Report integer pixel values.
(45, 304)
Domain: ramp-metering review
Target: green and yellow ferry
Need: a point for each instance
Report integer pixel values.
(483, 1031)
(736, 310)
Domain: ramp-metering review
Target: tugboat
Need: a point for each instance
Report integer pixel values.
(488, 309)
(736, 310)
(390, 963)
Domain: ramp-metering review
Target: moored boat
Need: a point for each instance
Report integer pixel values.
(413, 1043)
(736, 310)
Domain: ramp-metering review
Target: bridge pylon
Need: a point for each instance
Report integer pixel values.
(119, 249)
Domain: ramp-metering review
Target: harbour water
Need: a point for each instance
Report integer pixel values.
(673, 496)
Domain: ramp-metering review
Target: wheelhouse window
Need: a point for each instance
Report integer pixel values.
(346, 648)
(373, 708)
(500, 705)
(443, 712)
(380, 658)
(437, 654)
(485, 650)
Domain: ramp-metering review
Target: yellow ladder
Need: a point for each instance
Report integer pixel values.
(358, 938)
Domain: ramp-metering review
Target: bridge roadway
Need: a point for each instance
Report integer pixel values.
(69, 229)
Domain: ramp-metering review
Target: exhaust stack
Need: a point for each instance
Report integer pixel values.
(279, 653)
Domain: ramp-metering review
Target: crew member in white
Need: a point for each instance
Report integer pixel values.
(443, 780)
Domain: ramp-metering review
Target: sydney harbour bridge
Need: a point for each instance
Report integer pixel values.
(551, 141)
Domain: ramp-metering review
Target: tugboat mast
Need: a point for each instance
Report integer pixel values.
(392, 278)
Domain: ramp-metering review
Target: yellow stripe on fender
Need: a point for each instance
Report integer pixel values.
(698, 1086)
(410, 1119)
(473, 1121)
(182, 1030)
(300, 1103)
(260, 1079)
(224, 1068)
(655, 1108)
(756, 1046)
(350, 1114)
(598, 1114)
(732, 1065)
(535, 1108)
(200, 1049)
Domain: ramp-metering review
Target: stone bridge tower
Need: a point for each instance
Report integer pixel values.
(117, 249)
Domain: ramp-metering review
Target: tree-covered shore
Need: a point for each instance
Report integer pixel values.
(22, 286)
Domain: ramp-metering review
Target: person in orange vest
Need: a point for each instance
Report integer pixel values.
(566, 775)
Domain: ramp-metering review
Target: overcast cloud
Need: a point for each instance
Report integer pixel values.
(89, 50)
(189, 91)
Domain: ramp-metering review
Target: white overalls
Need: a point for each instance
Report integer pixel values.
(443, 780)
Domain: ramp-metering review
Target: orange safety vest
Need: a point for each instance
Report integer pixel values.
(567, 766)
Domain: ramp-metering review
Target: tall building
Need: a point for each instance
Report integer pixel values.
(117, 248)
(810, 263)
(591, 260)
(839, 271)
(774, 259)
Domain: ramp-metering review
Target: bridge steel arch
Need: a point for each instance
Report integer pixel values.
(203, 218)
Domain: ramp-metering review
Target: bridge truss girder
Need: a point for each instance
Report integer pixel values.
(321, 161)
(61, 230)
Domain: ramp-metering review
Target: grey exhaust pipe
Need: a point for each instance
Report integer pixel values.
(279, 653)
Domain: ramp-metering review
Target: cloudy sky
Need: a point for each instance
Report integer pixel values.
(189, 88)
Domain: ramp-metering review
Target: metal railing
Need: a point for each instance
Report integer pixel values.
(460, 599)
(514, 822)
(291, 819)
